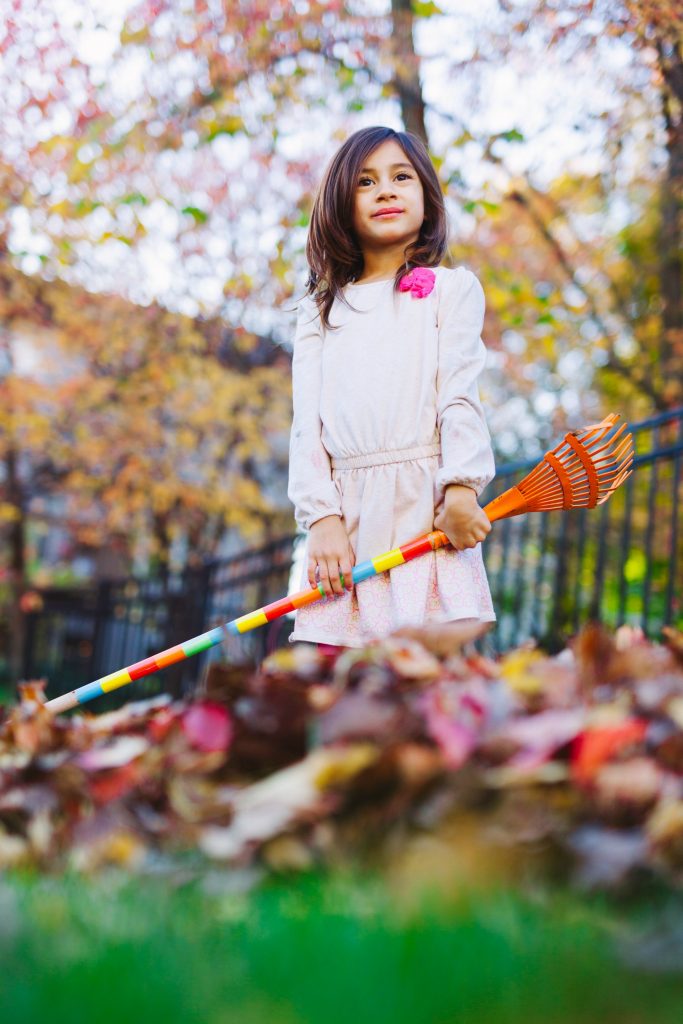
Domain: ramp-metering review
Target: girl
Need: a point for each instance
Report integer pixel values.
(388, 439)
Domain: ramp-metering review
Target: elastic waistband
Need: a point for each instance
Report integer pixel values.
(418, 451)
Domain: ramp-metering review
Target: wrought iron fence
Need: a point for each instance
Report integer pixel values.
(549, 572)
(79, 636)
(619, 563)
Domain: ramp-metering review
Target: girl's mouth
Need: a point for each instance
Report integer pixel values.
(386, 213)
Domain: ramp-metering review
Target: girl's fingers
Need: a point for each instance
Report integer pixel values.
(345, 567)
(352, 562)
(334, 577)
(321, 576)
(325, 577)
(329, 577)
(311, 572)
(328, 574)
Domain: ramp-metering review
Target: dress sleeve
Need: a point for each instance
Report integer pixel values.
(467, 454)
(310, 488)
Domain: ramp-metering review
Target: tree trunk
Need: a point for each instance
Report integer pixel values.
(161, 556)
(17, 566)
(671, 229)
(406, 80)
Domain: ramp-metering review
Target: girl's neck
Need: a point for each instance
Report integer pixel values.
(369, 280)
(378, 274)
(380, 266)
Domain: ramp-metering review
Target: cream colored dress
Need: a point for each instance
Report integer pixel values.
(386, 413)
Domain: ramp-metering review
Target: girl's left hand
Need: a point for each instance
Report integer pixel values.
(462, 518)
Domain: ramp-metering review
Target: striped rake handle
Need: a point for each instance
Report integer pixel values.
(242, 624)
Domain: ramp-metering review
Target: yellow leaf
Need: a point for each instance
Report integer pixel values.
(517, 669)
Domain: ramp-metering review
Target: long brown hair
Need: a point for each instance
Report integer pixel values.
(332, 250)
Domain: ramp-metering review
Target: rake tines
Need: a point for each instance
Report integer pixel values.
(578, 473)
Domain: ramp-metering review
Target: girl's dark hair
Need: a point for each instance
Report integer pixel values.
(332, 249)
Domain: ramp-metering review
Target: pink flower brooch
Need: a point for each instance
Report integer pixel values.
(419, 282)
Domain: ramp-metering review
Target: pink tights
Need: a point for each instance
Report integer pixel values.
(330, 648)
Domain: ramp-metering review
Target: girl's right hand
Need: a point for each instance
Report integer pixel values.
(330, 549)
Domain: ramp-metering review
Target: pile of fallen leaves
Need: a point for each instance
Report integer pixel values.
(310, 759)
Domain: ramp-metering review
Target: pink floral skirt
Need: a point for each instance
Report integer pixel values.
(456, 588)
(388, 498)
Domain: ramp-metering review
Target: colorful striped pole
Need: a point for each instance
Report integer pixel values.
(362, 571)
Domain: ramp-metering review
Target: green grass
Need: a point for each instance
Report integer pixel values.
(336, 950)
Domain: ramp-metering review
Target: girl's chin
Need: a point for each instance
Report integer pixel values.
(396, 228)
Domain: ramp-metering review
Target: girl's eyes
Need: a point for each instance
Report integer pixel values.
(401, 174)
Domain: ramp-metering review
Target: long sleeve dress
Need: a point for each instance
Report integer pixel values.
(386, 413)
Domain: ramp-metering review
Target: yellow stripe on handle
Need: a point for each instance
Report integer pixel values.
(251, 621)
(116, 679)
(389, 560)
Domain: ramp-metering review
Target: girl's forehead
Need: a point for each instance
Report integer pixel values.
(388, 152)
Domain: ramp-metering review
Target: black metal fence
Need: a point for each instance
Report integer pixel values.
(621, 562)
(549, 572)
(81, 635)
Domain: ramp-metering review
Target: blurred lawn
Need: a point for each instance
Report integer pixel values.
(330, 950)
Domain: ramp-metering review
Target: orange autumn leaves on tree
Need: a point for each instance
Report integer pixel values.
(252, 74)
(207, 74)
(631, 282)
(133, 418)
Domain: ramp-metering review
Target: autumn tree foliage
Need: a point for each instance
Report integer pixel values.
(247, 78)
(137, 416)
(629, 282)
(139, 422)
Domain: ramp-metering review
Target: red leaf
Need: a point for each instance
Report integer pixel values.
(454, 730)
(161, 724)
(595, 746)
(112, 785)
(208, 726)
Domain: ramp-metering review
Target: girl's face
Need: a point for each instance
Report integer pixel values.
(388, 182)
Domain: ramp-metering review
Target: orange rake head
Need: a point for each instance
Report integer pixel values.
(579, 472)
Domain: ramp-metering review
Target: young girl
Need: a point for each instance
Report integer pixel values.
(389, 439)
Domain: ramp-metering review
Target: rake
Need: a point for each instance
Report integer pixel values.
(581, 472)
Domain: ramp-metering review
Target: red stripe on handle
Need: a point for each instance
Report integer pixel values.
(277, 608)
